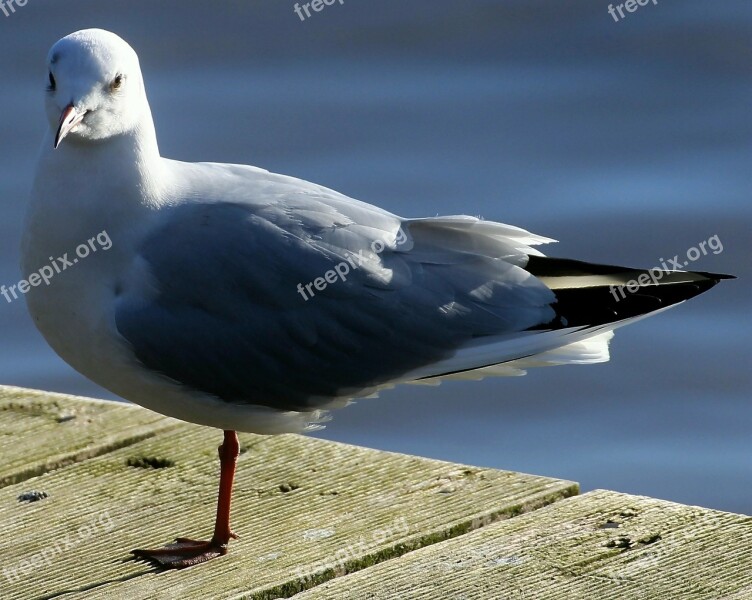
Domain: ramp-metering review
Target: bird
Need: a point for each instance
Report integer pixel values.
(243, 300)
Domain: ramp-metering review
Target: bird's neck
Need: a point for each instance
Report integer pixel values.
(83, 188)
(128, 160)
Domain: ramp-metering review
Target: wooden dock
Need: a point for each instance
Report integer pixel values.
(82, 482)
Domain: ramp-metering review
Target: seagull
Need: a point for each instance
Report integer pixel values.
(244, 300)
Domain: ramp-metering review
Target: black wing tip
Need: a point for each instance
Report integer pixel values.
(551, 266)
(716, 276)
(606, 299)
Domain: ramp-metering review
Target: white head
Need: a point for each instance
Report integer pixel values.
(95, 89)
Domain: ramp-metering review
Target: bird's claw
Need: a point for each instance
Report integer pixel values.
(184, 552)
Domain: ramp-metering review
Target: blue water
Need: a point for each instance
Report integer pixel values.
(630, 142)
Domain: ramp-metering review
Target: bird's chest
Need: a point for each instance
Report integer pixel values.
(70, 269)
(71, 302)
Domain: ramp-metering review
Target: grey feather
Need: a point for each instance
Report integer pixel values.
(228, 319)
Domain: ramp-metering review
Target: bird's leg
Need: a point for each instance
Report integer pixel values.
(186, 552)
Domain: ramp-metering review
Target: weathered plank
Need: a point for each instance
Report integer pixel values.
(41, 431)
(598, 545)
(306, 510)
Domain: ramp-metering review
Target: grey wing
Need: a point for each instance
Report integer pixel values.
(228, 316)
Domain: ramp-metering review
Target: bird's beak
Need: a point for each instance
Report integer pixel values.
(69, 120)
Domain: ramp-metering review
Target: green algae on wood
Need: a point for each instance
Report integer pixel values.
(41, 431)
(306, 510)
(599, 545)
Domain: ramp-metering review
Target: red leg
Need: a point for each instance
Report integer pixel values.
(186, 552)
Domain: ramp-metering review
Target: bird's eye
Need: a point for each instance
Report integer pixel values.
(117, 83)
(52, 84)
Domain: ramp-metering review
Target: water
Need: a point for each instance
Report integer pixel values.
(629, 141)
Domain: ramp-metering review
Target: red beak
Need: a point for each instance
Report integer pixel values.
(69, 120)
